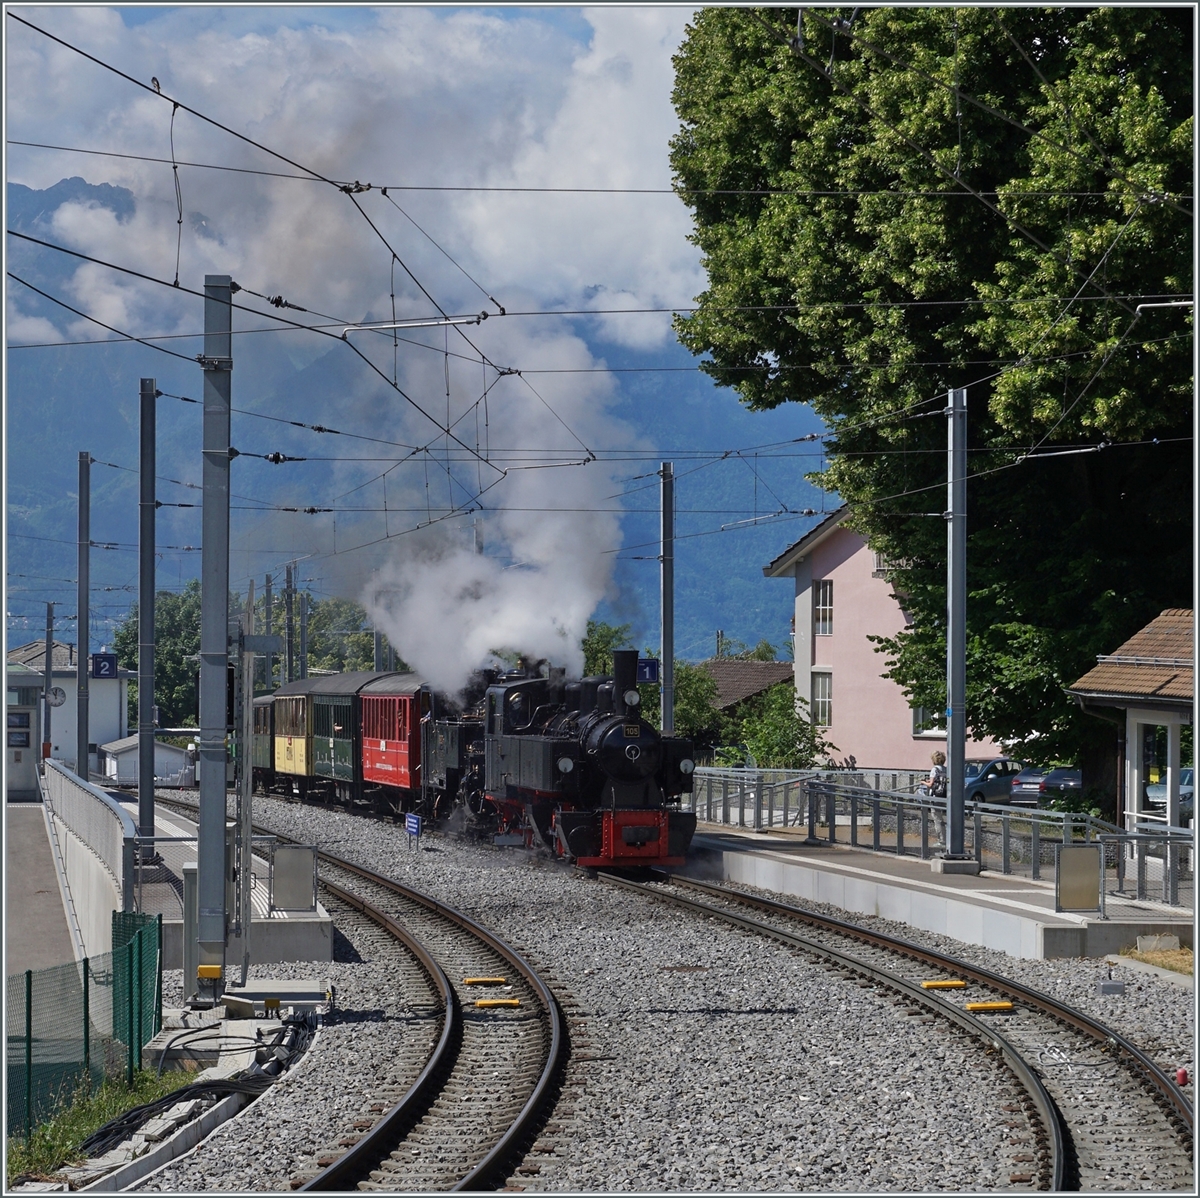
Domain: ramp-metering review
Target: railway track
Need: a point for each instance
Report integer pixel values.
(1094, 1107)
(466, 1118)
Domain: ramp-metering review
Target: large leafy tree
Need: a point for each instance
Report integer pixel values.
(923, 198)
(176, 640)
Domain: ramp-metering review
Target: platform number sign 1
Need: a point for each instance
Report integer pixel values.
(647, 669)
(412, 825)
(104, 665)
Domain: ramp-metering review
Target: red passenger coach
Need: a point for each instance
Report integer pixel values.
(391, 731)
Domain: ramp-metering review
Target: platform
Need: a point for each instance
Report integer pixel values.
(1011, 914)
(37, 935)
(276, 936)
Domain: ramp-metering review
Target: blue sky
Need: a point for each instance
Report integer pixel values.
(408, 98)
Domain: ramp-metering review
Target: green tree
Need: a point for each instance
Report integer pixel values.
(779, 735)
(176, 639)
(870, 242)
(598, 644)
(339, 636)
(695, 691)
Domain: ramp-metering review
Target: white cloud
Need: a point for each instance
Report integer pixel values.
(394, 96)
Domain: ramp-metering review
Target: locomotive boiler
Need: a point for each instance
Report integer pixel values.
(567, 765)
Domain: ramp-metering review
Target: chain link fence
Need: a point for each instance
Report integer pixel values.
(74, 1025)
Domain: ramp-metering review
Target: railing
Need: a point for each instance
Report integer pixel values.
(98, 820)
(836, 807)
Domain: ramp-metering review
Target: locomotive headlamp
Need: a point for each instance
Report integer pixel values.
(687, 765)
(565, 765)
(632, 698)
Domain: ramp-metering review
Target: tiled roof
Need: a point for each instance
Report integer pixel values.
(34, 655)
(737, 680)
(1154, 664)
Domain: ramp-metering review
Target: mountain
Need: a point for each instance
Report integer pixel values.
(85, 397)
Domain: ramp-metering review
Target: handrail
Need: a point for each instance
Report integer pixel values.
(128, 827)
(78, 803)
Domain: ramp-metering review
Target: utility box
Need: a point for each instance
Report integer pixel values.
(293, 884)
(1078, 877)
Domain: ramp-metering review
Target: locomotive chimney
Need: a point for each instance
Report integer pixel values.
(625, 681)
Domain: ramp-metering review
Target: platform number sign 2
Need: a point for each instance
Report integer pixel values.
(104, 665)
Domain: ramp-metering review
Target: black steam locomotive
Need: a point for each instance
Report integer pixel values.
(568, 765)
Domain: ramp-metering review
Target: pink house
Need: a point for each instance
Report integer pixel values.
(842, 597)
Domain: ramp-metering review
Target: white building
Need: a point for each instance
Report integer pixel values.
(107, 701)
(119, 760)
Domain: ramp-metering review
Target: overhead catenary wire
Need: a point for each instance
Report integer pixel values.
(150, 278)
(658, 191)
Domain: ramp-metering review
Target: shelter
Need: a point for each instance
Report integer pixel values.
(1149, 681)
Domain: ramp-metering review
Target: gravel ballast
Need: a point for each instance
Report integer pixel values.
(714, 1059)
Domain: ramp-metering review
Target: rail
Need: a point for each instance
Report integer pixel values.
(1172, 1095)
(838, 807)
(1047, 1113)
(98, 820)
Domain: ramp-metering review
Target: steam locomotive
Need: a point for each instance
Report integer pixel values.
(531, 759)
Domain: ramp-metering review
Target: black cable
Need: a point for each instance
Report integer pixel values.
(665, 191)
(127, 336)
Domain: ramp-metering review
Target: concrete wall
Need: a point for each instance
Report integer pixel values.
(93, 890)
(935, 908)
(271, 941)
(872, 719)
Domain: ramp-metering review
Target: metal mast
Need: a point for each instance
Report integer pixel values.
(49, 681)
(146, 510)
(81, 606)
(956, 623)
(668, 598)
(214, 634)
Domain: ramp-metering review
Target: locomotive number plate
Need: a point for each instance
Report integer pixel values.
(632, 731)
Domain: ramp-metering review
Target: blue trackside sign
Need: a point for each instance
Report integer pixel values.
(647, 670)
(412, 825)
(104, 665)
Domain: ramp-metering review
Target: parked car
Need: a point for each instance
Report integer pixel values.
(1156, 795)
(1156, 792)
(1060, 783)
(1044, 784)
(1026, 787)
(989, 779)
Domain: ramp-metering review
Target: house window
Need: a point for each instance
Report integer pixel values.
(822, 700)
(927, 722)
(823, 607)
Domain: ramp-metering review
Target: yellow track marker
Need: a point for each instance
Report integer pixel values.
(948, 984)
(497, 1002)
(484, 981)
(989, 1006)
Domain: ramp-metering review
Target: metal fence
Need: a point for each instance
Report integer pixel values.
(98, 820)
(841, 807)
(74, 1025)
